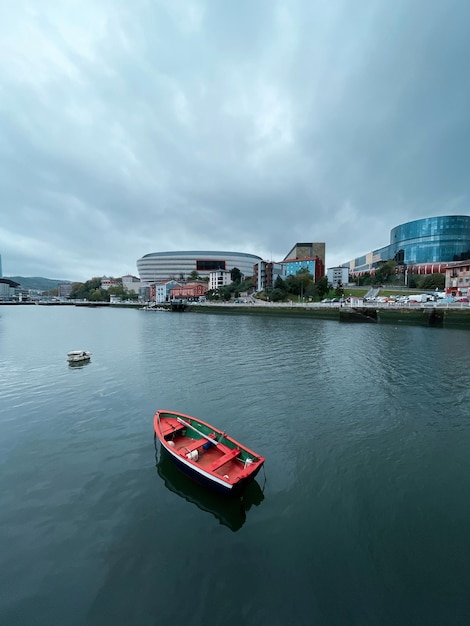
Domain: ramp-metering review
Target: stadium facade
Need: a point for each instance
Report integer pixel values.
(158, 267)
(424, 246)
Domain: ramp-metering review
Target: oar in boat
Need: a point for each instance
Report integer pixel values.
(188, 425)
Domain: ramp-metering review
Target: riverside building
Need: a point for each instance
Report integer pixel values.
(162, 266)
(423, 246)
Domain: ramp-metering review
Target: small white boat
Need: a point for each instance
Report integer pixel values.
(78, 356)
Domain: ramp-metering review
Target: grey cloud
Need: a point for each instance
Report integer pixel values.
(131, 129)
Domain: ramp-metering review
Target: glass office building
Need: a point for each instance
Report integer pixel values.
(292, 267)
(431, 241)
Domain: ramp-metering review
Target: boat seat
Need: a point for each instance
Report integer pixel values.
(192, 445)
(225, 458)
(170, 426)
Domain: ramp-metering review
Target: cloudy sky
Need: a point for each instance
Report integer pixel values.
(153, 125)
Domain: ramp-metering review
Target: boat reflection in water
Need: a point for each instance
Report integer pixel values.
(230, 510)
(78, 364)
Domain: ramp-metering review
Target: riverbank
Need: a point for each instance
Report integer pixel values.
(448, 317)
(442, 316)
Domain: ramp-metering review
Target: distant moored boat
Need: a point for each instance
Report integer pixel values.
(78, 356)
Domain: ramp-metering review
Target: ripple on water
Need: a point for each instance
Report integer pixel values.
(365, 431)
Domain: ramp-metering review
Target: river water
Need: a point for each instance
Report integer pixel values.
(361, 516)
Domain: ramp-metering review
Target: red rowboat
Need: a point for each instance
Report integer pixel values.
(206, 453)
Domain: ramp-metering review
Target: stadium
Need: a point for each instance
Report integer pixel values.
(162, 266)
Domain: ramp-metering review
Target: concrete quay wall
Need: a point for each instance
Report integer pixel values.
(447, 317)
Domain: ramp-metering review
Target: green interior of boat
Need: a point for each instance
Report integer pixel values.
(195, 431)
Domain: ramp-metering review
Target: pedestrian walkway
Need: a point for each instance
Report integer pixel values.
(372, 293)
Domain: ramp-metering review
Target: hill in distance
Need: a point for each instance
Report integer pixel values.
(37, 282)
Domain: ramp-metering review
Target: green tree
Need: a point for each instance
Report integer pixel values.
(51, 292)
(364, 279)
(298, 283)
(123, 293)
(292, 285)
(305, 281)
(277, 295)
(246, 284)
(212, 294)
(321, 287)
(98, 295)
(386, 272)
(117, 291)
(339, 291)
(432, 281)
(236, 275)
(225, 292)
(90, 290)
(280, 284)
(194, 275)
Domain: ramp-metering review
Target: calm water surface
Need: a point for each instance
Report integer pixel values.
(362, 516)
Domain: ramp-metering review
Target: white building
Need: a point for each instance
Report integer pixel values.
(109, 281)
(336, 275)
(162, 290)
(131, 283)
(220, 278)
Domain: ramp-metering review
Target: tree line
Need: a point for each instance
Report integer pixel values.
(92, 291)
(299, 286)
(393, 273)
